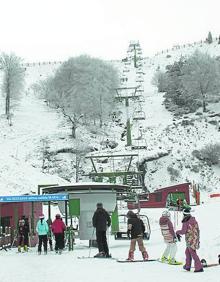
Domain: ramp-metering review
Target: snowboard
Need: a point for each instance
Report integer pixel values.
(205, 264)
(136, 260)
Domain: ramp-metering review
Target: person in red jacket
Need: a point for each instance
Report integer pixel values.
(58, 227)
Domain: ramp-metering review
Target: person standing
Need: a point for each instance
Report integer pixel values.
(26, 234)
(170, 238)
(101, 220)
(21, 231)
(136, 231)
(190, 228)
(58, 227)
(42, 230)
(49, 222)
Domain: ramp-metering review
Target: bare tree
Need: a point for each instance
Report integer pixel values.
(13, 81)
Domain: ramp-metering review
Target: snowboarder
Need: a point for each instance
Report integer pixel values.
(170, 238)
(58, 227)
(21, 231)
(101, 220)
(191, 230)
(136, 231)
(42, 230)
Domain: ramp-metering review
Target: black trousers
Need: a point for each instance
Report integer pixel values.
(102, 241)
(42, 239)
(59, 241)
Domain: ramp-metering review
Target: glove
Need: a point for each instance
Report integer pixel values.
(129, 234)
(178, 237)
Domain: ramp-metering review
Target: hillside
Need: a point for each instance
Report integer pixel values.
(37, 128)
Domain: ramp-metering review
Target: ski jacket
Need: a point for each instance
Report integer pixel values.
(21, 228)
(42, 227)
(167, 230)
(101, 219)
(58, 226)
(135, 227)
(190, 228)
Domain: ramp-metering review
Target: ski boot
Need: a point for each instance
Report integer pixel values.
(186, 268)
(100, 255)
(130, 256)
(172, 261)
(25, 248)
(19, 249)
(145, 255)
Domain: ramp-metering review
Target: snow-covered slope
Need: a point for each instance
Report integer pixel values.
(35, 125)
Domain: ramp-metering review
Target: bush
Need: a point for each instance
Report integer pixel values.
(210, 154)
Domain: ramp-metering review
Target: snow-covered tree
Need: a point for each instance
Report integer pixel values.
(209, 38)
(13, 79)
(84, 86)
(200, 77)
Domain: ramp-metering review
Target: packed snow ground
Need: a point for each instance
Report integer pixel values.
(30, 266)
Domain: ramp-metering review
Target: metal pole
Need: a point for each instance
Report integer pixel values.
(66, 215)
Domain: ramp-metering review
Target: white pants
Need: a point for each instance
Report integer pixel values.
(170, 250)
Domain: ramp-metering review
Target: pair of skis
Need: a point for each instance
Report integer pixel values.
(118, 260)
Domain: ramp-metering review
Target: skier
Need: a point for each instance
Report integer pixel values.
(170, 238)
(42, 230)
(101, 220)
(191, 230)
(49, 222)
(58, 227)
(21, 231)
(136, 231)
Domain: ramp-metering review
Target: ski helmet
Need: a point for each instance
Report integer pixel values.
(58, 216)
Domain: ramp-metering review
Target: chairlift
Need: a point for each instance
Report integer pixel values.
(139, 115)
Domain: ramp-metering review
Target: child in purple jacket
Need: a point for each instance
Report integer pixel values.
(191, 230)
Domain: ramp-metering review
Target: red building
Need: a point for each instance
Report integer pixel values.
(163, 197)
(10, 213)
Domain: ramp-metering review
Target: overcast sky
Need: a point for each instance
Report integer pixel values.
(43, 30)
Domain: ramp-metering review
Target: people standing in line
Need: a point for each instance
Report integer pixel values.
(21, 231)
(101, 221)
(136, 231)
(170, 238)
(58, 227)
(42, 230)
(190, 228)
(26, 233)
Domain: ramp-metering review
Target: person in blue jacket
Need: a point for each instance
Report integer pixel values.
(42, 231)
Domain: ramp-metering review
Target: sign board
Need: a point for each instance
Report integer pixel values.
(34, 198)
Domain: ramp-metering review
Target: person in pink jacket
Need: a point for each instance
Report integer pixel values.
(58, 227)
(190, 228)
(170, 239)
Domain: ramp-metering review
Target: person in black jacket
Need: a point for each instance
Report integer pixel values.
(136, 231)
(101, 220)
(26, 234)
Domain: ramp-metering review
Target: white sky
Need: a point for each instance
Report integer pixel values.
(40, 30)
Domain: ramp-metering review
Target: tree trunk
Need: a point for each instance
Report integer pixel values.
(74, 131)
(204, 103)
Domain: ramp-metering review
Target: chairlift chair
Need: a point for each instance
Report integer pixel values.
(139, 115)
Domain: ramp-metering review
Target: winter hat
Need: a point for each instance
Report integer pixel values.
(41, 216)
(130, 214)
(99, 205)
(58, 216)
(166, 213)
(186, 211)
